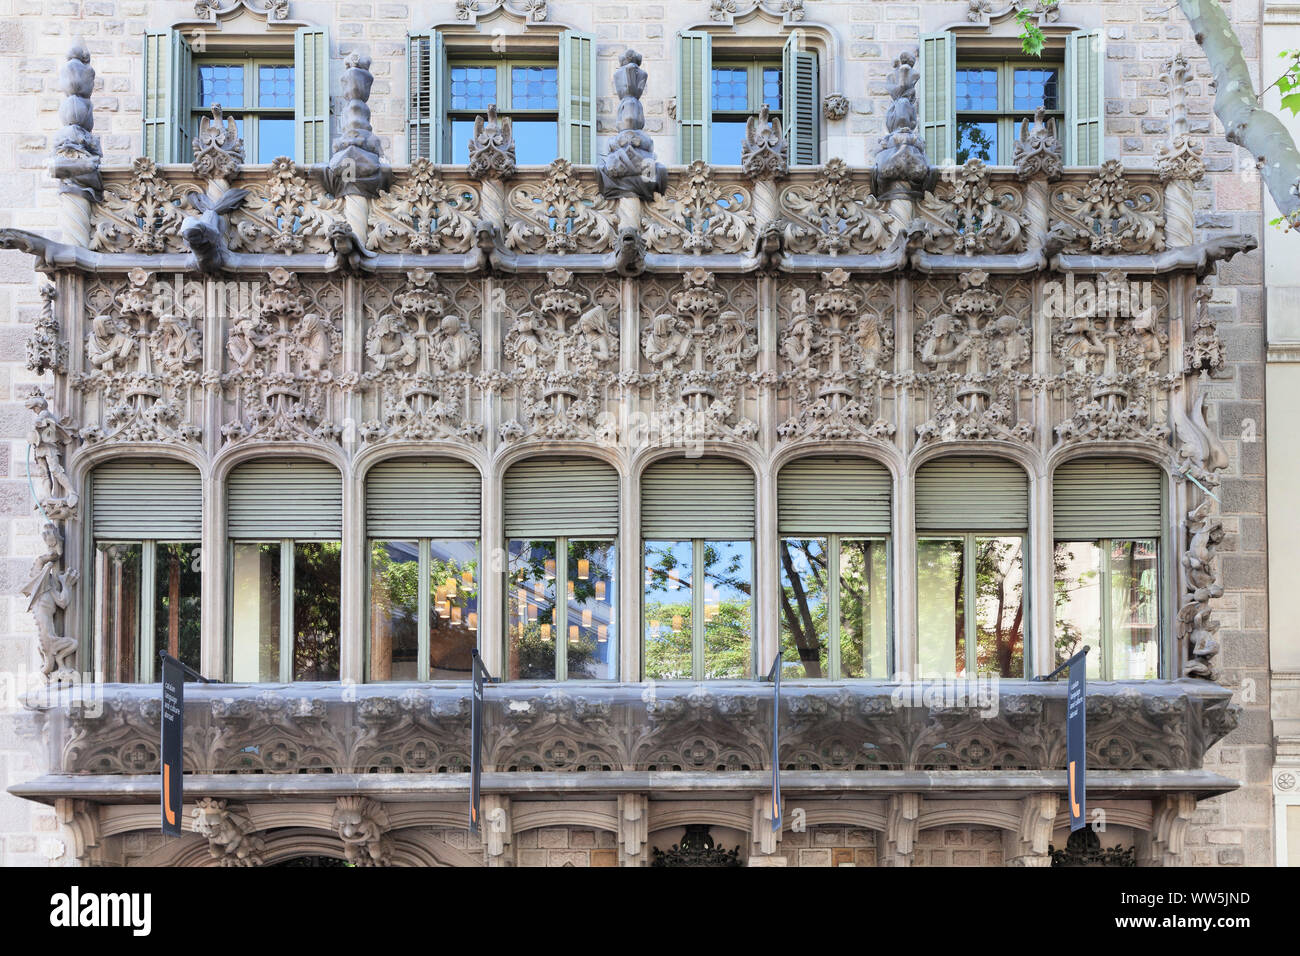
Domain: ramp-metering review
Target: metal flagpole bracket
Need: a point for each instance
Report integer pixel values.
(189, 671)
(1077, 656)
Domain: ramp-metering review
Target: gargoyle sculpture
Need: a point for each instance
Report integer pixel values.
(206, 232)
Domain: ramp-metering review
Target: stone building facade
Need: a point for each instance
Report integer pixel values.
(897, 353)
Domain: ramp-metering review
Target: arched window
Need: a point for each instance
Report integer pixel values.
(1106, 519)
(561, 528)
(697, 526)
(972, 518)
(146, 520)
(285, 524)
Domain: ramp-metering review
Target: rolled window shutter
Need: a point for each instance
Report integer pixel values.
(577, 68)
(818, 496)
(549, 497)
(419, 97)
(159, 99)
(409, 498)
(311, 58)
(159, 500)
(971, 495)
(697, 498)
(799, 102)
(937, 117)
(694, 96)
(1085, 64)
(268, 500)
(1106, 498)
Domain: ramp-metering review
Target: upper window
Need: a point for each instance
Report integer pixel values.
(259, 94)
(550, 99)
(720, 88)
(973, 102)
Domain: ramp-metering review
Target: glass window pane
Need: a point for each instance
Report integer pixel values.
(532, 610)
(728, 590)
(117, 608)
(1032, 87)
(772, 87)
(667, 610)
(976, 88)
(462, 131)
(725, 144)
(999, 607)
(316, 582)
(731, 89)
(1134, 611)
(255, 613)
(864, 609)
(592, 646)
(977, 141)
(394, 610)
(805, 629)
(274, 139)
(534, 88)
(222, 83)
(941, 608)
(473, 87)
(275, 85)
(453, 613)
(536, 142)
(1077, 596)
(178, 589)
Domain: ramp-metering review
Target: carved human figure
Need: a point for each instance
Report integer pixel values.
(242, 343)
(178, 343)
(110, 342)
(665, 344)
(593, 326)
(1015, 349)
(456, 345)
(869, 339)
(801, 335)
(532, 340)
(226, 831)
(1082, 340)
(49, 591)
(391, 342)
(731, 339)
(315, 335)
(948, 341)
(360, 824)
(48, 438)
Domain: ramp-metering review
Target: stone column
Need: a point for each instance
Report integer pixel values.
(901, 829)
(1162, 845)
(1179, 162)
(1028, 845)
(633, 829)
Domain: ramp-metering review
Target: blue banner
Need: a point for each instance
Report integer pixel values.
(774, 675)
(476, 740)
(1076, 719)
(173, 744)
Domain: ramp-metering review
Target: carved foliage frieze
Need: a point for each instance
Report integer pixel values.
(141, 215)
(700, 215)
(969, 213)
(424, 214)
(834, 215)
(287, 213)
(1108, 214)
(562, 213)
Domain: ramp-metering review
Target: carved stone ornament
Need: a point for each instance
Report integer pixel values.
(48, 592)
(46, 349)
(835, 107)
(763, 150)
(424, 214)
(529, 11)
(229, 832)
(563, 349)
(1107, 215)
(976, 348)
(701, 349)
(969, 214)
(77, 152)
(834, 216)
(1204, 353)
(283, 362)
(726, 11)
(1180, 158)
(700, 215)
(420, 365)
(1038, 150)
(1195, 624)
(901, 164)
(492, 147)
(218, 149)
(362, 824)
(48, 440)
(205, 233)
(1111, 347)
(357, 167)
(286, 214)
(143, 362)
(1041, 11)
(836, 348)
(630, 167)
(142, 215)
(560, 214)
(271, 9)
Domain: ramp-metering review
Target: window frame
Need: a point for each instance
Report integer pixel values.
(754, 65)
(251, 62)
(503, 66)
(1005, 116)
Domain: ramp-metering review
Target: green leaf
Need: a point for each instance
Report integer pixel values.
(1292, 102)
(1032, 39)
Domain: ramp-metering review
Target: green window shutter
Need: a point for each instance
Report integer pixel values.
(694, 96)
(162, 500)
(311, 60)
(697, 498)
(547, 497)
(799, 102)
(268, 500)
(817, 496)
(937, 116)
(419, 96)
(167, 88)
(972, 494)
(1085, 66)
(410, 498)
(1106, 498)
(578, 97)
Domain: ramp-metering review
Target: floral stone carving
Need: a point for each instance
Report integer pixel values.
(561, 214)
(423, 215)
(700, 215)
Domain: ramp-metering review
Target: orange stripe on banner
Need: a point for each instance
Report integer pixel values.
(167, 794)
(1074, 804)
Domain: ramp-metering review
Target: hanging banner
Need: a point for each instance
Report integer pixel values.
(774, 675)
(480, 675)
(173, 737)
(1076, 719)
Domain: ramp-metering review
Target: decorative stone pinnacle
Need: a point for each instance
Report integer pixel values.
(1181, 157)
(1038, 150)
(77, 152)
(763, 150)
(630, 167)
(901, 164)
(357, 167)
(218, 150)
(492, 147)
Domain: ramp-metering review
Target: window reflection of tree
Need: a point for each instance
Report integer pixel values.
(803, 601)
(316, 577)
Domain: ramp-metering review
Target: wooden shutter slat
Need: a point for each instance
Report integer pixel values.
(1085, 60)
(694, 84)
(311, 95)
(549, 497)
(1106, 498)
(799, 112)
(159, 500)
(577, 71)
(419, 102)
(267, 500)
(972, 494)
(936, 109)
(819, 496)
(697, 498)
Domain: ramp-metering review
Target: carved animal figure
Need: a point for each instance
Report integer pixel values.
(629, 253)
(206, 233)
